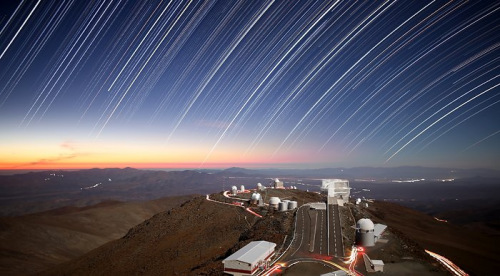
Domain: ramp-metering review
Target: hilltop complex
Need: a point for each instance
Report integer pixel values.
(332, 235)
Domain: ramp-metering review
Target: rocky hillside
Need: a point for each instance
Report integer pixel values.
(190, 240)
(473, 251)
(35, 242)
(194, 238)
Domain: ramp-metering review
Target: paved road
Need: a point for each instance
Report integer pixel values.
(311, 235)
(317, 234)
(317, 237)
(336, 247)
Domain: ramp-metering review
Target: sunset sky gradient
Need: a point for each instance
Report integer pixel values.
(215, 84)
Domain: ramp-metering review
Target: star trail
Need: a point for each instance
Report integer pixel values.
(301, 84)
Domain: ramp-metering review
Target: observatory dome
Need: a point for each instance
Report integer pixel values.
(365, 224)
(256, 196)
(274, 200)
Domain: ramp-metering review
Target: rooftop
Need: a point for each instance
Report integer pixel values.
(252, 252)
(379, 229)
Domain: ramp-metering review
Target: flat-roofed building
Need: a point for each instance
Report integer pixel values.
(338, 190)
(373, 265)
(250, 258)
(335, 273)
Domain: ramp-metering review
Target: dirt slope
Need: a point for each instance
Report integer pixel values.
(189, 240)
(36, 242)
(473, 251)
(193, 240)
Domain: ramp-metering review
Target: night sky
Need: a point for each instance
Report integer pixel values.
(290, 84)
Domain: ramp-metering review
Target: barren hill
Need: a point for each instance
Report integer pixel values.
(475, 252)
(185, 240)
(36, 242)
(189, 240)
(194, 238)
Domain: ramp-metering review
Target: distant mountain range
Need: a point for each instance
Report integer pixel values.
(44, 190)
(378, 173)
(40, 191)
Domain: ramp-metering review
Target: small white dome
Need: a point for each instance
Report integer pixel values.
(365, 224)
(274, 200)
(234, 188)
(256, 196)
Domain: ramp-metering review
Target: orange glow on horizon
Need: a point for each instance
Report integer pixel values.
(78, 166)
(52, 155)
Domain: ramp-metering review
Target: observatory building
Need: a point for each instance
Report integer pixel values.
(250, 258)
(256, 198)
(274, 202)
(260, 187)
(365, 235)
(373, 265)
(287, 205)
(277, 184)
(335, 273)
(338, 190)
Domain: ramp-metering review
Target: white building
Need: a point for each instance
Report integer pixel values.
(249, 258)
(373, 265)
(256, 197)
(277, 184)
(335, 273)
(274, 202)
(365, 235)
(368, 233)
(338, 190)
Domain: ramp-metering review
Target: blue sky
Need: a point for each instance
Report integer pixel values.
(249, 83)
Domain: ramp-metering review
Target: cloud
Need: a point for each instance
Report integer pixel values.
(44, 161)
(66, 146)
(69, 145)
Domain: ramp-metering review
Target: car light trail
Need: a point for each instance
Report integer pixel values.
(447, 264)
(253, 213)
(441, 220)
(352, 260)
(232, 204)
(272, 269)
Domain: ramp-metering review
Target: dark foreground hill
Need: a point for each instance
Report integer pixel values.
(194, 238)
(190, 240)
(32, 243)
(474, 251)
